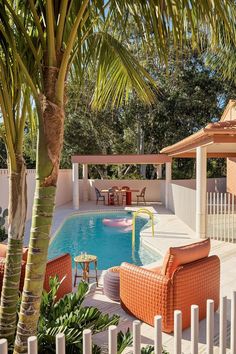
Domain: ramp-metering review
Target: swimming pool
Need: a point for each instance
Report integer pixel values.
(112, 246)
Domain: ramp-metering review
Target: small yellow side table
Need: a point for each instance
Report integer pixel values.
(84, 261)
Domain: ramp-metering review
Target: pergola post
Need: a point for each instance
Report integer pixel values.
(75, 182)
(85, 182)
(167, 184)
(159, 171)
(201, 189)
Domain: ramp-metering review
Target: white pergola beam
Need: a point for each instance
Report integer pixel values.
(201, 189)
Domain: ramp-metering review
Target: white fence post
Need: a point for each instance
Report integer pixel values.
(177, 331)
(136, 337)
(194, 329)
(157, 335)
(87, 341)
(223, 323)
(60, 343)
(112, 340)
(233, 324)
(210, 327)
(3, 346)
(32, 345)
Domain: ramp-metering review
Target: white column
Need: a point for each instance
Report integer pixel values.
(75, 181)
(85, 182)
(167, 185)
(201, 189)
(159, 171)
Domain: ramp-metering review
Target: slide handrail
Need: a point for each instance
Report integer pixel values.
(135, 214)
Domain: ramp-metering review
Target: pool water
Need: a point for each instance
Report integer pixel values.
(112, 245)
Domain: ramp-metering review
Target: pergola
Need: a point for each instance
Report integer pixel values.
(215, 140)
(85, 160)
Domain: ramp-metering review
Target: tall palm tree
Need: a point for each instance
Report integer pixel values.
(54, 35)
(15, 109)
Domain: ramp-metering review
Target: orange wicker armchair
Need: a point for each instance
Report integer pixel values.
(60, 266)
(188, 276)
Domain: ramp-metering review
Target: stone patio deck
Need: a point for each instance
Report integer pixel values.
(169, 231)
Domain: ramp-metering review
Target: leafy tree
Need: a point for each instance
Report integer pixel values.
(192, 96)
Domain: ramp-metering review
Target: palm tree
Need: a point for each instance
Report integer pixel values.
(16, 110)
(55, 34)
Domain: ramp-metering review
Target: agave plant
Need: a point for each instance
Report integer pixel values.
(3, 216)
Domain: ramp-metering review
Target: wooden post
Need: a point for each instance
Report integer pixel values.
(210, 326)
(136, 337)
(87, 341)
(194, 329)
(177, 331)
(157, 335)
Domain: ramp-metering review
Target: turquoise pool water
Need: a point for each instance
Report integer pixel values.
(112, 246)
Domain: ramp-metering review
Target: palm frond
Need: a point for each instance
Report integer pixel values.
(118, 74)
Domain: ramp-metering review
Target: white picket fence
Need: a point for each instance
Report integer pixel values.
(177, 342)
(221, 216)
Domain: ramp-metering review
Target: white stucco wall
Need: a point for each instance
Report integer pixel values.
(182, 197)
(64, 190)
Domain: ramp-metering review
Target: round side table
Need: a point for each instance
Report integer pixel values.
(84, 262)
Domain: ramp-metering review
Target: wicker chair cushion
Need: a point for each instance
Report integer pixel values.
(177, 256)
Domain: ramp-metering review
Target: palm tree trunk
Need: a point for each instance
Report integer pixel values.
(50, 138)
(12, 271)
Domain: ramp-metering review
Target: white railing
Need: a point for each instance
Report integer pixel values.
(177, 347)
(221, 218)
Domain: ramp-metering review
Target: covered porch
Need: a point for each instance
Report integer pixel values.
(83, 189)
(216, 140)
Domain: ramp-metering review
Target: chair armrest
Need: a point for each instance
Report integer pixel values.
(144, 294)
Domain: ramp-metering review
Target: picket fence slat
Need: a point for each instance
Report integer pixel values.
(233, 324)
(177, 332)
(87, 341)
(3, 346)
(210, 327)
(194, 329)
(32, 345)
(177, 345)
(223, 324)
(136, 337)
(112, 340)
(157, 335)
(60, 343)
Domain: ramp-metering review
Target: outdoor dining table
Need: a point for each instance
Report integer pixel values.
(128, 194)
